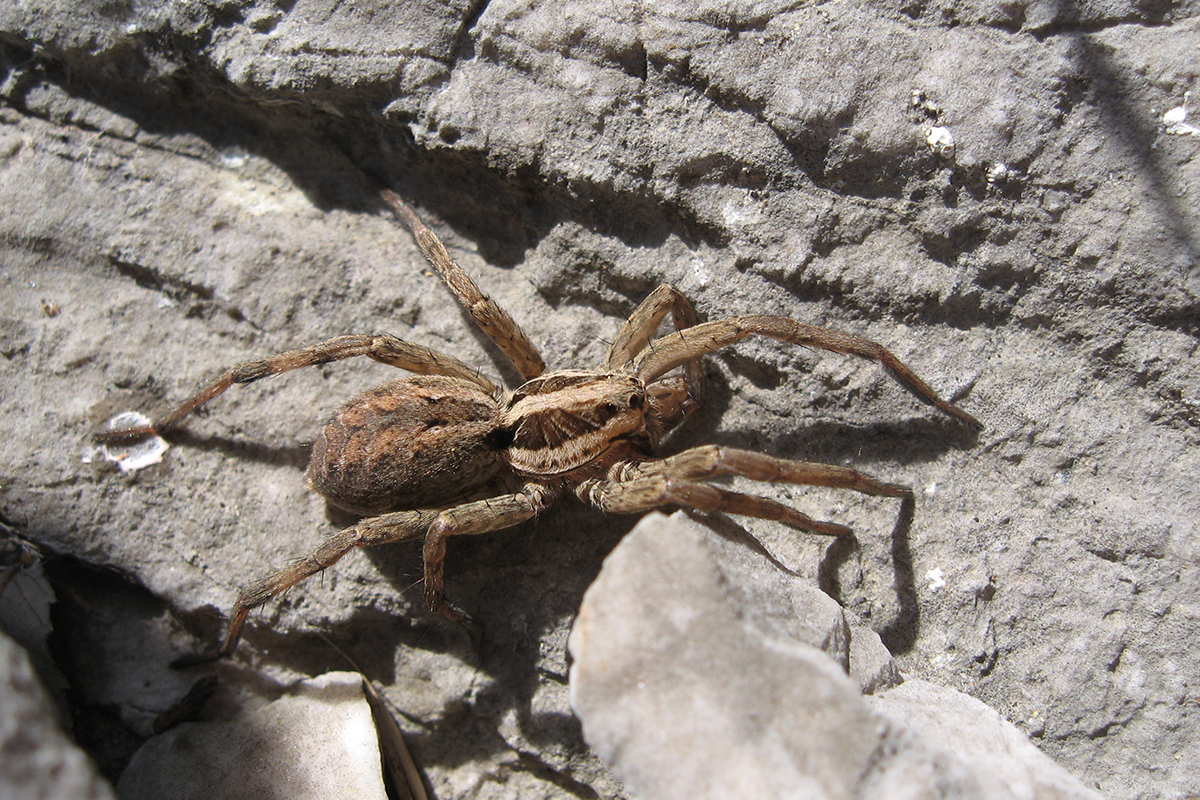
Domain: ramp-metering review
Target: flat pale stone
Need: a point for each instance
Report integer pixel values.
(319, 742)
(692, 683)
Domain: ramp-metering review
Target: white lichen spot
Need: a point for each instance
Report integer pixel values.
(135, 455)
(1175, 120)
(931, 489)
(700, 272)
(936, 578)
(1000, 173)
(234, 157)
(940, 141)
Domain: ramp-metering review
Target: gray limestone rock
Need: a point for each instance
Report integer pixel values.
(319, 741)
(188, 185)
(39, 758)
(702, 670)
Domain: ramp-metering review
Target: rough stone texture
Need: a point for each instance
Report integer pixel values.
(192, 184)
(702, 670)
(990, 749)
(39, 759)
(252, 756)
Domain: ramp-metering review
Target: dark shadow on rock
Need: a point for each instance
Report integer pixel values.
(91, 601)
(900, 633)
(517, 584)
(244, 449)
(729, 529)
(915, 441)
(1132, 125)
(837, 555)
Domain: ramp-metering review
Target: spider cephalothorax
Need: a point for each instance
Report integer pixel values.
(563, 422)
(406, 453)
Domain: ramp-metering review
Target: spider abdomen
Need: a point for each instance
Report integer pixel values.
(411, 443)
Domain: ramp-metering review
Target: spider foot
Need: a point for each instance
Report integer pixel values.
(456, 615)
(121, 435)
(460, 618)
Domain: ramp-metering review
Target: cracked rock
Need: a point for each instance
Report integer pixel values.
(189, 185)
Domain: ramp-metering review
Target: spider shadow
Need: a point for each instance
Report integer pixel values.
(925, 435)
(899, 634)
(911, 442)
(244, 449)
(919, 439)
(916, 440)
(900, 631)
(521, 585)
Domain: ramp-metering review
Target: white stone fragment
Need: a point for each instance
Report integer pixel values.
(940, 141)
(320, 742)
(1174, 121)
(132, 456)
(1001, 173)
(936, 579)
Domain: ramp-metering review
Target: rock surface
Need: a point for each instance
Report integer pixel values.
(701, 670)
(319, 741)
(188, 185)
(40, 760)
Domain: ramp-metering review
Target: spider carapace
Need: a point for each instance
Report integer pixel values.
(405, 453)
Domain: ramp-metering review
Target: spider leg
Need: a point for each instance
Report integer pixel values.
(490, 317)
(663, 355)
(435, 525)
(712, 461)
(677, 480)
(386, 528)
(635, 497)
(384, 348)
(480, 516)
(643, 323)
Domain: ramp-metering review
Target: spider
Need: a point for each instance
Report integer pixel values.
(403, 455)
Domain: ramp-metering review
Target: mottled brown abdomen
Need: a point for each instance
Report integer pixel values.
(413, 443)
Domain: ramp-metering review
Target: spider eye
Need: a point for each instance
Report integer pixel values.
(610, 408)
(635, 401)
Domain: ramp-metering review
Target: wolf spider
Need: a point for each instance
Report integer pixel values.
(404, 454)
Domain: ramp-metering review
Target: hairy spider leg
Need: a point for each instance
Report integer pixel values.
(663, 355)
(634, 487)
(384, 348)
(490, 317)
(637, 331)
(435, 525)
